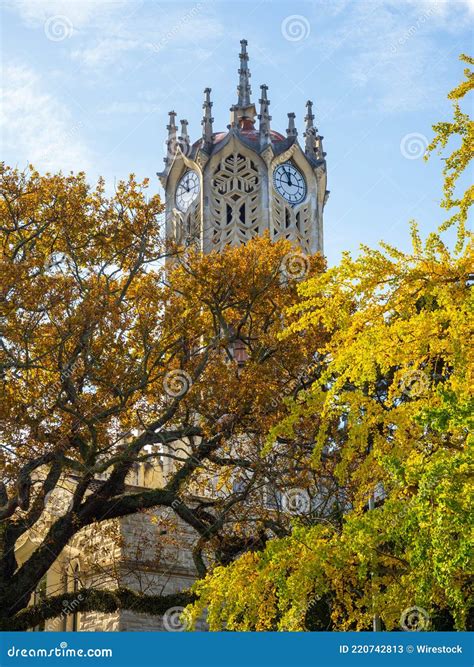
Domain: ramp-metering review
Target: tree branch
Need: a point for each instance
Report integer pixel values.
(96, 600)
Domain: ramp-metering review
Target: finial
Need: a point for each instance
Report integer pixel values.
(207, 118)
(310, 132)
(264, 117)
(243, 89)
(171, 143)
(309, 118)
(234, 118)
(318, 148)
(184, 137)
(291, 130)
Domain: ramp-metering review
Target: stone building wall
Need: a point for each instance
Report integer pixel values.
(93, 621)
(148, 553)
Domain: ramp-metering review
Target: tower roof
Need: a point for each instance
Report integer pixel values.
(243, 123)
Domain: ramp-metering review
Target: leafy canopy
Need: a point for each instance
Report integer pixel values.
(393, 405)
(120, 350)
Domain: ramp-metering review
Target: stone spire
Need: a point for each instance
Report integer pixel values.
(310, 132)
(207, 119)
(171, 141)
(264, 117)
(291, 129)
(245, 110)
(243, 89)
(184, 137)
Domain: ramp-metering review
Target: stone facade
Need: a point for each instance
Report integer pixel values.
(147, 552)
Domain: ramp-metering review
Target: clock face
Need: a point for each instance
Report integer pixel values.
(187, 190)
(289, 183)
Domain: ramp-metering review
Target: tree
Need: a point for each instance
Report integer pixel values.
(110, 358)
(460, 128)
(392, 402)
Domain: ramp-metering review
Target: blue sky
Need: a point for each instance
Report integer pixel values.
(88, 84)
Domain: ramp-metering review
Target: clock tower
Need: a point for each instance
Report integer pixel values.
(229, 186)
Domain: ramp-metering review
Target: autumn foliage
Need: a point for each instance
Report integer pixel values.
(118, 349)
(393, 406)
(347, 390)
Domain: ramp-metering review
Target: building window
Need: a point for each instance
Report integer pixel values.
(273, 498)
(240, 352)
(38, 596)
(75, 587)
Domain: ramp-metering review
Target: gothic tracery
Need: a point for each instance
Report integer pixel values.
(235, 200)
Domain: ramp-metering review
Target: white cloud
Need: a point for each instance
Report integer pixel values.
(387, 48)
(36, 127)
(443, 7)
(183, 29)
(108, 32)
(80, 12)
(130, 108)
(105, 52)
